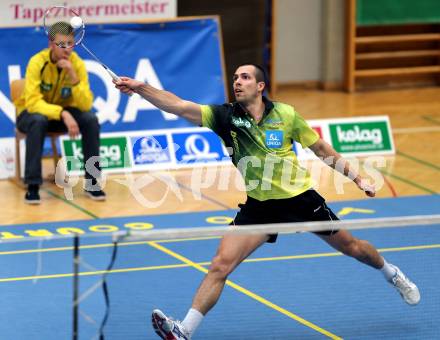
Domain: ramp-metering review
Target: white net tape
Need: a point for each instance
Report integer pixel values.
(386, 222)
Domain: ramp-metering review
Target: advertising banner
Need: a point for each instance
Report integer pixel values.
(183, 147)
(111, 152)
(360, 137)
(357, 136)
(30, 12)
(150, 150)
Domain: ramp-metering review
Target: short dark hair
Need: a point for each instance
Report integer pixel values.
(260, 73)
(60, 27)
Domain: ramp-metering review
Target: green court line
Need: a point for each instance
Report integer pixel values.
(85, 211)
(417, 160)
(431, 120)
(407, 181)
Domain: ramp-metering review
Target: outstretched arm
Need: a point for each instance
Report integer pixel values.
(163, 100)
(333, 159)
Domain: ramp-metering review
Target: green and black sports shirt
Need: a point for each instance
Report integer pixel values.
(263, 152)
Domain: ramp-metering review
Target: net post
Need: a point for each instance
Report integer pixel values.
(75, 286)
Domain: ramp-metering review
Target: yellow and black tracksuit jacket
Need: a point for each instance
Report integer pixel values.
(47, 90)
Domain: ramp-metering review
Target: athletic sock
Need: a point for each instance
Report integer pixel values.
(388, 270)
(192, 320)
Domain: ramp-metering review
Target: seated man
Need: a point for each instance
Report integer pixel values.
(57, 97)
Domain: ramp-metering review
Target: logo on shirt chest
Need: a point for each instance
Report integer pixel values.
(45, 87)
(66, 92)
(274, 123)
(240, 122)
(274, 139)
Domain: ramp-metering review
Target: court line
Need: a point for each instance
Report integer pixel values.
(389, 185)
(431, 120)
(417, 160)
(207, 263)
(92, 273)
(208, 198)
(101, 245)
(85, 211)
(402, 179)
(318, 255)
(248, 293)
(407, 181)
(135, 243)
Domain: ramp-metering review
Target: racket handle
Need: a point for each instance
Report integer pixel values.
(113, 75)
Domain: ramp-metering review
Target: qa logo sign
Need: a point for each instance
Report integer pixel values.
(151, 149)
(106, 102)
(107, 106)
(198, 146)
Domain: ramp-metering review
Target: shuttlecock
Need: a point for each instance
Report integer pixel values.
(76, 22)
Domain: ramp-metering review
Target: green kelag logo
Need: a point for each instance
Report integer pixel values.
(111, 152)
(360, 137)
(240, 122)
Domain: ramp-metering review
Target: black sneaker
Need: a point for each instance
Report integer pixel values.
(96, 195)
(32, 196)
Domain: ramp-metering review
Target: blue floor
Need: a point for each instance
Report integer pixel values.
(283, 295)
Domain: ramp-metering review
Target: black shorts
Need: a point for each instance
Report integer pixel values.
(306, 207)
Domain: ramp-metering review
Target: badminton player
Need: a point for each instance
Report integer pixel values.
(260, 130)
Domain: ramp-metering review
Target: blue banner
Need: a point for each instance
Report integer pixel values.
(183, 57)
(195, 147)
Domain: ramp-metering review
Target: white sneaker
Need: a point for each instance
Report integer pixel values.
(167, 328)
(407, 289)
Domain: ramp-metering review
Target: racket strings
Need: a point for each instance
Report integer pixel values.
(61, 28)
(66, 29)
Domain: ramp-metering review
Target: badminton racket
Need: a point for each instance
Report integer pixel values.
(65, 21)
